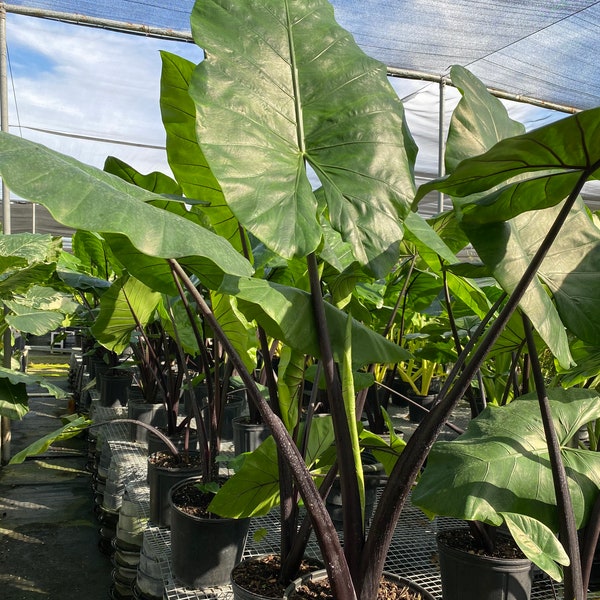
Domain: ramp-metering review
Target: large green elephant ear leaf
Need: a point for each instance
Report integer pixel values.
(74, 426)
(479, 121)
(32, 247)
(156, 182)
(288, 86)
(125, 304)
(495, 196)
(39, 310)
(501, 463)
(254, 489)
(569, 271)
(94, 255)
(83, 197)
(185, 156)
(240, 332)
(587, 359)
(286, 314)
(26, 259)
(13, 392)
(538, 543)
(531, 171)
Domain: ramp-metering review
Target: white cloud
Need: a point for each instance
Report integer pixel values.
(88, 82)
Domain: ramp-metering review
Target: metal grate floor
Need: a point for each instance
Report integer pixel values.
(412, 553)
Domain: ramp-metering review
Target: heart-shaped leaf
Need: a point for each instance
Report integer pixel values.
(289, 88)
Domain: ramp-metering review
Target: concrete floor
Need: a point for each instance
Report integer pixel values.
(48, 531)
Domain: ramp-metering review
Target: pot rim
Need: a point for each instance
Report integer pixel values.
(480, 557)
(213, 519)
(315, 575)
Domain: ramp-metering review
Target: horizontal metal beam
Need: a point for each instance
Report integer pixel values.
(424, 76)
(79, 19)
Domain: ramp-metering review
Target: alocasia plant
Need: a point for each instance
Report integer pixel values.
(34, 301)
(501, 467)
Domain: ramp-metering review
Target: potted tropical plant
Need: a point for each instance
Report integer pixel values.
(535, 538)
(464, 381)
(204, 548)
(494, 479)
(285, 396)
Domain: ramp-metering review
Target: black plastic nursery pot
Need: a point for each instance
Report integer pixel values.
(257, 574)
(415, 414)
(248, 436)
(468, 576)
(403, 390)
(98, 366)
(233, 408)
(114, 388)
(156, 444)
(294, 590)
(373, 473)
(160, 481)
(154, 414)
(242, 593)
(204, 551)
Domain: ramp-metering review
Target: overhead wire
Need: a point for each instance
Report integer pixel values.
(92, 138)
(568, 16)
(14, 92)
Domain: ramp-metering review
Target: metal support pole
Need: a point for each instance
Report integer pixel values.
(6, 221)
(5, 434)
(441, 141)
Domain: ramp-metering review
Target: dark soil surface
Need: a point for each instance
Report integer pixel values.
(191, 500)
(183, 460)
(462, 539)
(260, 575)
(320, 590)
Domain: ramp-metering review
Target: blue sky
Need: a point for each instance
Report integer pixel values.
(88, 82)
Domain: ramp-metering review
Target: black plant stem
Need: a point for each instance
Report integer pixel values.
(469, 393)
(288, 507)
(451, 319)
(209, 467)
(481, 534)
(514, 375)
(566, 516)
(462, 357)
(362, 395)
(351, 509)
(590, 541)
(167, 379)
(269, 372)
(153, 358)
(401, 298)
(329, 543)
(525, 377)
(290, 568)
(512, 379)
(411, 460)
(200, 425)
